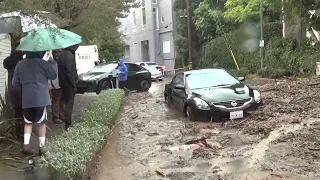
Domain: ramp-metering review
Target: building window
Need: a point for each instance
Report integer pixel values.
(127, 51)
(134, 22)
(166, 46)
(144, 18)
(155, 18)
(154, 1)
(162, 19)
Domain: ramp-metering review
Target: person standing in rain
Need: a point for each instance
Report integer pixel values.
(56, 92)
(32, 75)
(68, 77)
(123, 74)
(15, 100)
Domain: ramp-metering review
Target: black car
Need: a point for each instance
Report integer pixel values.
(211, 94)
(100, 78)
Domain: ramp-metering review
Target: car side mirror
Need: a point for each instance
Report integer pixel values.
(241, 78)
(179, 86)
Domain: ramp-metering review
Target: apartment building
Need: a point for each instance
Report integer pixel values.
(148, 33)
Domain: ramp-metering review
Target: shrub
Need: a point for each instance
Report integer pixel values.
(71, 153)
(282, 55)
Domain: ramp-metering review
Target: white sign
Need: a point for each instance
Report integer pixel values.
(236, 115)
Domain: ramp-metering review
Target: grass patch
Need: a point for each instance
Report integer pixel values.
(70, 154)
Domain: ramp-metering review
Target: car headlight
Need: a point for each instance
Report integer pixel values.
(256, 95)
(201, 104)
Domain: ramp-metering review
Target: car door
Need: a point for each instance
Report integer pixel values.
(178, 94)
(135, 76)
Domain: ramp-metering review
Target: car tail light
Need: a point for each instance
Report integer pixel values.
(160, 68)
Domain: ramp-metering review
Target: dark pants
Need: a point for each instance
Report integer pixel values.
(67, 98)
(19, 122)
(122, 85)
(57, 105)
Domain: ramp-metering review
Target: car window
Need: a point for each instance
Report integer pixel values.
(142, 64)
(134, 67)
(104, 68)
(178, 79)
(151, 63)
(217, 77)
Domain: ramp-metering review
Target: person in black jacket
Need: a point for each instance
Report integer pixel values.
(15, 97)
(68, 77)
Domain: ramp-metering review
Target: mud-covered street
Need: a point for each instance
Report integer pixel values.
(280, 141)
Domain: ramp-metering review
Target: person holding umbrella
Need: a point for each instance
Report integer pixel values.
(32, 75)
(47, 39)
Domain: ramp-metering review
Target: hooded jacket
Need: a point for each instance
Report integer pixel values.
(68, 75)
(32, 75)
(123, 71)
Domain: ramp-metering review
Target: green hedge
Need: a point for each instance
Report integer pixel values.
(70, 154)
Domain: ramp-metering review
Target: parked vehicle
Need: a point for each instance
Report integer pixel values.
(100, 78)
(159, 67)
(211, 94)
(155, 73)
(86, 58)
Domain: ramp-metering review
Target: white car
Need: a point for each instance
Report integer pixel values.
(155, 73)
(152, 64)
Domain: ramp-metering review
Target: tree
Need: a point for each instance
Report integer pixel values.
(245, 10)
(92, 19)
(209, 20)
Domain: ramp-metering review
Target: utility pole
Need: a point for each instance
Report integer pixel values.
(261, 34)
(189, 34)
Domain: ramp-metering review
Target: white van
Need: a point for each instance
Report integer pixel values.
(86, 56)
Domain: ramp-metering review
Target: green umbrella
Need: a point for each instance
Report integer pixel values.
(47, 39)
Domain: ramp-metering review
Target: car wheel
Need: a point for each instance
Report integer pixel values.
(103, 86)
(144, 86)
(189, 114)
(160, 79)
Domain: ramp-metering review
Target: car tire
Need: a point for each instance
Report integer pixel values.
(105, 84)
(144, 86)
(189, 114)
(160, 79)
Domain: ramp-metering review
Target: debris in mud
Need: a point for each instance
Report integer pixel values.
(160, 173)
(186, 147)
(204, 153)
(134, 116)
(153, 134)
(180, 175)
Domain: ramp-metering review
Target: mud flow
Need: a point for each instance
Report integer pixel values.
(279, 141)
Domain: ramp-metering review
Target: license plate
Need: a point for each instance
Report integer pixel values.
(236, 115)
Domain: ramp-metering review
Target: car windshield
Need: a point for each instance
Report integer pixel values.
(151, 63)
(213, 78)
(104, 68)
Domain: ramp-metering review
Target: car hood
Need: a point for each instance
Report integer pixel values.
(92, 75)
(224, 93)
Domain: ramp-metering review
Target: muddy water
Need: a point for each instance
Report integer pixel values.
(263, 146)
